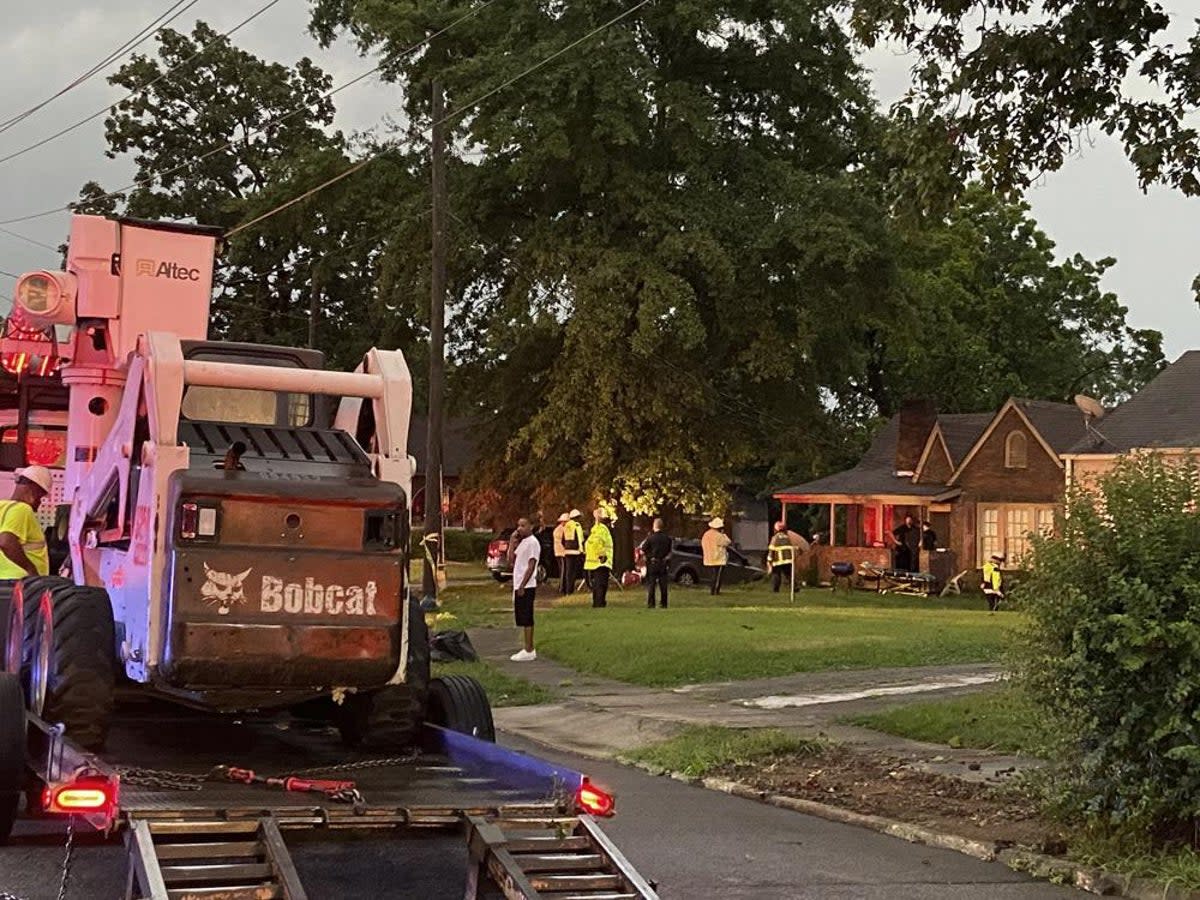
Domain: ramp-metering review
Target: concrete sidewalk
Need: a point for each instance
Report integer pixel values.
(602, 718)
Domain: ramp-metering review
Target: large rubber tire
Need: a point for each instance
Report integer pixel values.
(79, 665)
(390, 719)
(459, 703)
(12, 751)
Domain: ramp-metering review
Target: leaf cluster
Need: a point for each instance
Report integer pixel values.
(1112, 646)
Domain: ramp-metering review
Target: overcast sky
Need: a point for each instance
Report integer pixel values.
(1092, 206)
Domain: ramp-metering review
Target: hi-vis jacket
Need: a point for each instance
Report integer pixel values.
(992, 579)
(572, 531)
(599, 544)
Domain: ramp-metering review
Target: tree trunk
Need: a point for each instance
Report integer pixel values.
(623, 541)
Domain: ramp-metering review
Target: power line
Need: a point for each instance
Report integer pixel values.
(363, 163)
(27, 240)
(161, 21)
(145, 87)
(9, 274)
(149, 179)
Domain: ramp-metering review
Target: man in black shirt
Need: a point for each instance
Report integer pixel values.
(657, 550)
(908, 544)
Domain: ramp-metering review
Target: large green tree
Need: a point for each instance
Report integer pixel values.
(664, 233)
(983, 311)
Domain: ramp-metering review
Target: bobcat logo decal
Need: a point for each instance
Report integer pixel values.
(223, 589)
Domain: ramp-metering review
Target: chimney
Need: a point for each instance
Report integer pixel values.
(917, 418)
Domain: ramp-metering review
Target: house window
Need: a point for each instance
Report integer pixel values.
(1015, 450)
(989, 532)
(1005, 528)
(1018, 523)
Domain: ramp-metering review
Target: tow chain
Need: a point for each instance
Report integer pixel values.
(190, 781)
(65, 872)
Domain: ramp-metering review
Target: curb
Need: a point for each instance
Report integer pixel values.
(1038, 865)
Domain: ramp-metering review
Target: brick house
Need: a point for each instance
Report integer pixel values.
(1163, 417)
(983, 480)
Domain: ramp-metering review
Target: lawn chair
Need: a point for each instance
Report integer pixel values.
(954, 585)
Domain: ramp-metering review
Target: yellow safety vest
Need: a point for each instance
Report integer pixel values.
(572, 530)
(992, 578)
(599, 543)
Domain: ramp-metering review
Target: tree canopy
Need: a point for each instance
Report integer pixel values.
(227, 136)
(1009, 88)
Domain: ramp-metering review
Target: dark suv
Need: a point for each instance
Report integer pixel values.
(687, 565)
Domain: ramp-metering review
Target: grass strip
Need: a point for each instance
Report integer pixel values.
(1002, 720)
(701, 749)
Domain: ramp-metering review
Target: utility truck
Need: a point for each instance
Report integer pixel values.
(234, 521)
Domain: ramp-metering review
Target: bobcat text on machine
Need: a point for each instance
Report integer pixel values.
(232, 523)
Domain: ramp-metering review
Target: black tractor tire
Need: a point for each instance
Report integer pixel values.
(12, 751)
(459, 703)
(390, 718)
(80, 671)
(687, 577)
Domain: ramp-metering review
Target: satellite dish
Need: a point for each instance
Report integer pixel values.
(1090, 406)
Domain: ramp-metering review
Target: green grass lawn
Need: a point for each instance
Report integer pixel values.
(698, 750)
(502, 689)
(992, 720)
(747, 632)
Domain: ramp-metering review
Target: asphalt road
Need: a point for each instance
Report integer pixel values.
(694, 843)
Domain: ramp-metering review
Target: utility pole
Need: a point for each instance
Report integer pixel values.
(437, 355)
(314, 298)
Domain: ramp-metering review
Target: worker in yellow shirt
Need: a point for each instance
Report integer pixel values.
(993, 581)
(598, 557)
(22, 541)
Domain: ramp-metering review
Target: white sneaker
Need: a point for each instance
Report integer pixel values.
(524, 656)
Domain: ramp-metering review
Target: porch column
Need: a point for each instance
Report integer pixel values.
(832, 524)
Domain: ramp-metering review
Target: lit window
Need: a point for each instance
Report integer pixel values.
(1017, 525)
(989, 532)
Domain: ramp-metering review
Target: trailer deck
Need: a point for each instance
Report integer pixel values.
(191, 833)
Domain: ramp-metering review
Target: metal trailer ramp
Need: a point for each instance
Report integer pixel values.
(193, 860)
(554, 858)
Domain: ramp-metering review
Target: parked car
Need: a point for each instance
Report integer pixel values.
(497, 556)
(687, 566)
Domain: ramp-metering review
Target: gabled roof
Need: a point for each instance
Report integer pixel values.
(1055, 427)
(961, 430)
(875, 474)
(1165, 413)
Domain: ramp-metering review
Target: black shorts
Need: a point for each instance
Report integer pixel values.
(523, 608)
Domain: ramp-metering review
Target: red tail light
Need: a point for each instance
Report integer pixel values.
(189, 520)
(594, 801)
(86, 795)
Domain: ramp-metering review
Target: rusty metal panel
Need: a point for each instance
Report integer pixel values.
(259, 524)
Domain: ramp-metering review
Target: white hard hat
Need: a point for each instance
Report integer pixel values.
(39, 475)
(718, 522)
(564, 518)
(574, 514)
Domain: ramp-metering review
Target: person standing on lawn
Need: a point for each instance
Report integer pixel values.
(657, 550)
(560, 552)
(572, 551)
(525, 563)
(715, 544)
(598, 556)
(781, 556)
(993, 582)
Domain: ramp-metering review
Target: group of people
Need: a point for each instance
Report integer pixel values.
(570, 546)
(910, 541)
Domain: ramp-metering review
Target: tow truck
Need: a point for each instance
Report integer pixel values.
(233, 526)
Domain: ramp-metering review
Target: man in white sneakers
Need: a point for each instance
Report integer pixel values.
(525, 562)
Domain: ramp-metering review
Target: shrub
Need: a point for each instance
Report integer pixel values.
(1111, 649)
